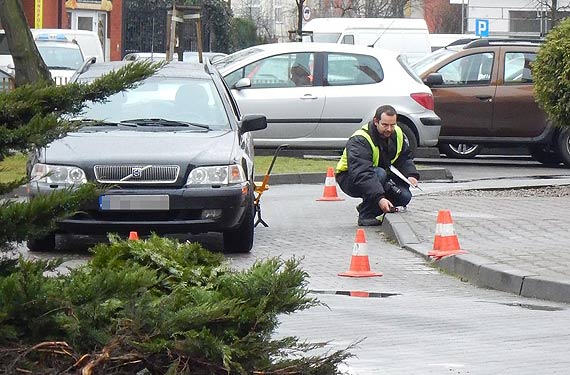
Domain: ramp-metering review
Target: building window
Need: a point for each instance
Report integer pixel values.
(533, 21)
(279, 15)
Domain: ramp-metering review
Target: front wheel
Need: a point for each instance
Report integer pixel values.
(45, 243)
(460, 150)
(412, 141)
(240, 239)
(545, 154)
(563, 146)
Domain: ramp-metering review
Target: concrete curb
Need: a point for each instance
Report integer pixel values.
(479, 270)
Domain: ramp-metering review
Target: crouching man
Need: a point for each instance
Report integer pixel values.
(364, 168)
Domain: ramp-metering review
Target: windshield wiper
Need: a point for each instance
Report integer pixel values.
(164, 122)
(56, 67)
(97, 122)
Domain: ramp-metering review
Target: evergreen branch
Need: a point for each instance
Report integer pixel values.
(23, 220)
(8, 187)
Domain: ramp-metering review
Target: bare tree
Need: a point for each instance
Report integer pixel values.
(553, 9)
(299, 4)
(348, 8)
(29, 65)
(262, 18)
(446, 17)
(372, 8)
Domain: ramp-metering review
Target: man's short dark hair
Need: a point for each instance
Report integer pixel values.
(387, 109)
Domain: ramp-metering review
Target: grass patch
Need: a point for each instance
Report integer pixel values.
(285, 164)
(13, 168)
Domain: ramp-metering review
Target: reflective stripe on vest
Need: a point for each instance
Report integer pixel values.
(342, 164)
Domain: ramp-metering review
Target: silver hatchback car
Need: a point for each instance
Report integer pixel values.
(315, 95)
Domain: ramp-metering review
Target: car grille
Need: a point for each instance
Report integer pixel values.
(136, 174)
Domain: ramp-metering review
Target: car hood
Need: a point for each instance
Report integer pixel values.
(86, 149)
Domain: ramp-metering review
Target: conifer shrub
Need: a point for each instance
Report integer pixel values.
(156, 306)
(551, 73)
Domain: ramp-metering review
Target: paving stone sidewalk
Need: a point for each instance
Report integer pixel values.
(516, 244)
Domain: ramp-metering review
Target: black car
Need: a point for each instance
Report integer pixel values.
(174, 153)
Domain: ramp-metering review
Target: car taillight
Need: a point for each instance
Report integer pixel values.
(423, 99)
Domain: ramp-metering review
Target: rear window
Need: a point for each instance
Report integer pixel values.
(348, 69)
(403, 61)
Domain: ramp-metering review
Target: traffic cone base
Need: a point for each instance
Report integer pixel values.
(359, 263)
(445, 242)
(330, 193)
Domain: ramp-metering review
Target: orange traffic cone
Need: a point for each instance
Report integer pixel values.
(359, 264)
(445, 242)
(133, 236)
(329, 193)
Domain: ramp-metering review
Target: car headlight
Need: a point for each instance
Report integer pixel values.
(58, 174)
(218, 175)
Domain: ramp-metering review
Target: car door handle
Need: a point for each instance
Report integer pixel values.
(483, 98)
(309, 96)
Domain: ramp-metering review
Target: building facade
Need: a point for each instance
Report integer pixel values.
(513, 17)
(508, 17)
(101, 16)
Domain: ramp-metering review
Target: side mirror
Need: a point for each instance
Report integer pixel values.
(252, 123)
(433, 79)
(242, 84)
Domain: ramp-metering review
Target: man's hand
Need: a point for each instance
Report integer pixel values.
(413, 181)
(385, 205)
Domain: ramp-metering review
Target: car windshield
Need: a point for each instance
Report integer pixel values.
(162, 102)
(422, 65)
(60, 57)
(404, 63)
(236, 56)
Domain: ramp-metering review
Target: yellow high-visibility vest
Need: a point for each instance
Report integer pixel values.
(342, 164)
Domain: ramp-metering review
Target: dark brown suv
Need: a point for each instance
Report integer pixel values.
(483, 92)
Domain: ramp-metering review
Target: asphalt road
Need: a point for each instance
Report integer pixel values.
(430, 323)
(423, 322)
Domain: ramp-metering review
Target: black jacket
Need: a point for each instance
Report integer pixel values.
(360, 180)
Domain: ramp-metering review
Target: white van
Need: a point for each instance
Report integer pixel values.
(409, 36)
(88, 40)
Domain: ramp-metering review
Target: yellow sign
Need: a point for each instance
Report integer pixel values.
(39, 14)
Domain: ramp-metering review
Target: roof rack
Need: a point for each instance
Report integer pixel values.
(462, 41)
(485, 42)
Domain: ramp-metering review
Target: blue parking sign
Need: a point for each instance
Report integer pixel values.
(481, 27)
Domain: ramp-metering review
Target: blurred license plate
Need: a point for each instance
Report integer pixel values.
(134, 202)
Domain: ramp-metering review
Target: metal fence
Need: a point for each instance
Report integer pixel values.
(146, 31)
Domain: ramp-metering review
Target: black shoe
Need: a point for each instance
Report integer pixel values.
(371, 222)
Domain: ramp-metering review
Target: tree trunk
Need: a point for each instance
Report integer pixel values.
(554, 14)
(28, 63)
(300, 19)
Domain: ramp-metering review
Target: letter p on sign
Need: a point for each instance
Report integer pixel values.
(481, 27)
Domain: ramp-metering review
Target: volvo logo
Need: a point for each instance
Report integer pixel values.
(136, 173)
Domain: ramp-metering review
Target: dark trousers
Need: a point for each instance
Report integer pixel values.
(397, 192)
